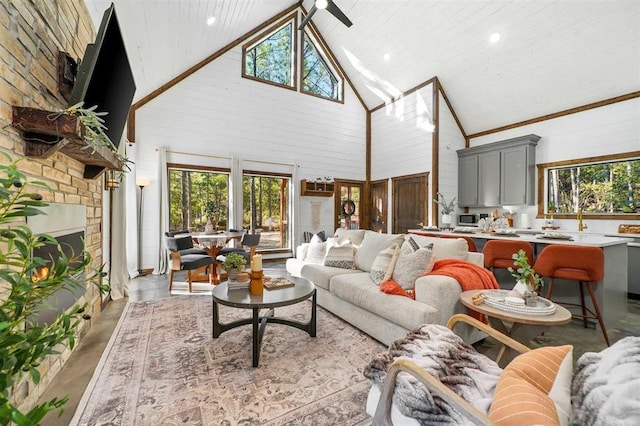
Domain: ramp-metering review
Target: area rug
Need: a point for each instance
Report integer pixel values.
(197, 288)
(162, 367)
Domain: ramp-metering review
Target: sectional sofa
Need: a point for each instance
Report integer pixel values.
(353, 295)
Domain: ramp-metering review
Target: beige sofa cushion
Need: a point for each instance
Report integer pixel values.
(372, 244)
(359, 290)
(445, 248)
(354, 235)
(320, 275)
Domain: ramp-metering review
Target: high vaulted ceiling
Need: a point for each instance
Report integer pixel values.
(553, 55)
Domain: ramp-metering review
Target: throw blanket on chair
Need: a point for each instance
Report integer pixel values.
(606, 386)
(469, 275)
(445, 356)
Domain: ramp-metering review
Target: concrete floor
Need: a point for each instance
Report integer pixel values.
(77, 372)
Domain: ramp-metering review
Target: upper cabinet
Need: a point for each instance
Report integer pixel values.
(498, 174)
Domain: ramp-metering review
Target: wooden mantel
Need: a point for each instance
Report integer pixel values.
(47, 132)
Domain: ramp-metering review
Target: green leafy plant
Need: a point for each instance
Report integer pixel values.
(26, 283)
(524, 272)
(447, 207)
(233, 260)
(95, 135)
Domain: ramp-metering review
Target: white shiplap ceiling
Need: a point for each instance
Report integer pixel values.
(553, 54)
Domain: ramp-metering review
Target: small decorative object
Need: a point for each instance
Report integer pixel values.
(255, 286)
(524, 273)
(531, 298)
(233, 263)
(447, 209)
(348, 207)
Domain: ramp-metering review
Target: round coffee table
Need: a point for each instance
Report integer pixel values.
(520, 327)
(269, 299)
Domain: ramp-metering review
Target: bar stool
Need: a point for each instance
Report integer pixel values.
(498, 253)
(582, 264)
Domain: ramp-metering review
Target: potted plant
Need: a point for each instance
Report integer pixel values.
(527, 281)
(233, 264)
(27, 282)
(447, 209)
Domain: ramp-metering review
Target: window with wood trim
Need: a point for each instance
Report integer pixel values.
(271, 57)
(318, 76)
(197, 195)
(265, 203)
(602, 187)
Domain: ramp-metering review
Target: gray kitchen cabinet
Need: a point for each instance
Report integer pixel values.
(504, 173)
(468, 180)
(489, 178)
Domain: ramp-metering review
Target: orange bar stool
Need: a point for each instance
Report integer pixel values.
(498, 253)
(582, 264)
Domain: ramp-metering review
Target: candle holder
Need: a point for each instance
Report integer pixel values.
(257, 280)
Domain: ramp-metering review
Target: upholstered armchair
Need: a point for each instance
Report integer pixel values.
(184, 257)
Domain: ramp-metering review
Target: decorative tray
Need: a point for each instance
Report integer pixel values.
(495, 298)
(465, 230)
(505, 234)
(556, 236)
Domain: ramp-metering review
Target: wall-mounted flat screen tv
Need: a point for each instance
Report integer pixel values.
(105, 78)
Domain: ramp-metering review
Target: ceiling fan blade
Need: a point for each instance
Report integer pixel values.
(333, 9)
(307, 18)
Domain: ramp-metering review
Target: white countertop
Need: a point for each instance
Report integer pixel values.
(578, 239)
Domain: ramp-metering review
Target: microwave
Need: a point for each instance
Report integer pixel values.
(467, 219)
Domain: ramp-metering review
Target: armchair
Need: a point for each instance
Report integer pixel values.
(183, 258)
(537, 387)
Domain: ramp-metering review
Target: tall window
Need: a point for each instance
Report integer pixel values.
(271, 57)
(265, 209)
(608, 187)
(196, 196)
(318, 77)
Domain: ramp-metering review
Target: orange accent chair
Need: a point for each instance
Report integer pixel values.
(582, 264)
(498, 253)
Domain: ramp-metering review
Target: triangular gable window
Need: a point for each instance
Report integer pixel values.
(318, 77)
(271, 57)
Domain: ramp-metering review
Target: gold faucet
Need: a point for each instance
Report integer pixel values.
(581, 225)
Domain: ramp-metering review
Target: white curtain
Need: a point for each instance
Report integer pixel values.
(118, 245)
(163, 206)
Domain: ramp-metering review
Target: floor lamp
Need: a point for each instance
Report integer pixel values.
(141, 182)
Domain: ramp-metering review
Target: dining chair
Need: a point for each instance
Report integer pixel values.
(181, 260)
(248, 240)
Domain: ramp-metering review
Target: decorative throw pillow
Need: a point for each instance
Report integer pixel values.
(410, 266)
(526, 390)
(340, 257)
(412, 243)
(316, 251)
(383, 264)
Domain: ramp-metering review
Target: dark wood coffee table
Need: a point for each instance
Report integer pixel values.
(269, 299)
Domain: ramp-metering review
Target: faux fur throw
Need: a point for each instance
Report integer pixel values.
(606, 386)
(469, 275)
(445, 356)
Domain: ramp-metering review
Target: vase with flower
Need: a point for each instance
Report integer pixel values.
(447, 208)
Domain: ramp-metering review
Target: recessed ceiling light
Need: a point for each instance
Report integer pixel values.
(321, 4)
(211, 20)
(495, 37)
(386, 57)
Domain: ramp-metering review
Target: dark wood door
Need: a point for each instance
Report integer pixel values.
(348, 205)
(410, 209)
(379, 205)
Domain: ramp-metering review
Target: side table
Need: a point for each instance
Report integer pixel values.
(520, 327)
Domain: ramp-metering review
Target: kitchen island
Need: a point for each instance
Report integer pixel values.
(611, 293)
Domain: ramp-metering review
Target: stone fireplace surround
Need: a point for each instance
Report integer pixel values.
(31, 36)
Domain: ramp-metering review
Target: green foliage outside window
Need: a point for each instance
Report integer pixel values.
(317, 77)
(262, 207)
(612, 187)
(271, 58)
(195, 197)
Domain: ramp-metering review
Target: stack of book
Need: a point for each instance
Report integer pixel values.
(240, 283)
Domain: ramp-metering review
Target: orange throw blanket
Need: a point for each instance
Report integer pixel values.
(469, 275)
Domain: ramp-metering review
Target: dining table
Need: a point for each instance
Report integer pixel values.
(213, 242)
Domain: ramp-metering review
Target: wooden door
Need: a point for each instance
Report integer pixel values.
(348, 204)
(379, 205)
(410, 208)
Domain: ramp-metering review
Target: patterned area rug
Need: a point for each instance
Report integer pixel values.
(162, 367)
